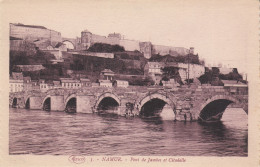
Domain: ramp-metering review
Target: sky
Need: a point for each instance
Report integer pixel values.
(220, 31)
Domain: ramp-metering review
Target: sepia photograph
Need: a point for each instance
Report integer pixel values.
(131, 81)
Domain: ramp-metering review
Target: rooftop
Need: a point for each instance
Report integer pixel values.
(104, 81)
(17, 75)
(30, 26)
(86, 31)
(107, 71)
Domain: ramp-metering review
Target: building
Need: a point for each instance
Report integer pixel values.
(121, 83)
(27, 79)
(15, 85)
(152, 68)
(105, 83)
(195, 71)
(225, 70)
(17, 75)
(107, 74)
(70, 83)
(43, 85)
(170, 83)
(56, 84)
(16, 82)
(85, 82)
(115, 35)
(27, 85)
(94, 84)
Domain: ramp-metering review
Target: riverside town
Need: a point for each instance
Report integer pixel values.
(102, 81)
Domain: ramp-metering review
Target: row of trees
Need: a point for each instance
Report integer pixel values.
(97, 64)
(102, 47)
(214, 77)
(193, 59)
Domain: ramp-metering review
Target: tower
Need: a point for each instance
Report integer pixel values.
(86, 38)
(191, 50)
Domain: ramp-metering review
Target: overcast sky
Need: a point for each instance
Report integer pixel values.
(219, 30)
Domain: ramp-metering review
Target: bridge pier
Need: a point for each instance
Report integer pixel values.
(84, 104)
(35, 102)
(57, 103)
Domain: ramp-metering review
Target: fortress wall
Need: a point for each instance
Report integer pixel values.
(180, 50)
(164, 50)
(55, 36)
(129, 45)
(103, 39)
(97, 38)
(31, 33)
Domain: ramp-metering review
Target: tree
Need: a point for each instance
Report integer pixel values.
(102, 47)
(171, 72)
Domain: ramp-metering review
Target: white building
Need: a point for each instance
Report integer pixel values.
(15, 85)
(154, 67)
(16, 82)
(43, 85)
(85, 82)
(225, 70)
(105, 83)
(195, 70)
(107, 74)
(170, 83)
(70, 83)
(56, 84)
(121, 83)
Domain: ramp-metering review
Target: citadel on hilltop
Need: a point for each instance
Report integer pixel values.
(41, 53)
(47, 39)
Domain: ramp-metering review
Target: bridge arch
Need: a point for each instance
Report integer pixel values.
(46, 102)
(27, 102)
(71, 104)
(107, 95)
(156, 99)
(14, 102)
(215, 106)
(69, 44)
(70, 97)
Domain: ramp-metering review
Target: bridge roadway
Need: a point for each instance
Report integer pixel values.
(194, 101)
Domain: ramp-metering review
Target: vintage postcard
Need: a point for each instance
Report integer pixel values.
(129, 83)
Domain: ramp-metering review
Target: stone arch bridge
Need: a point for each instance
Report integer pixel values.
(194, 102)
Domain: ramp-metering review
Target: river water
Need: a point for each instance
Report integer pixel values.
(57, 133)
